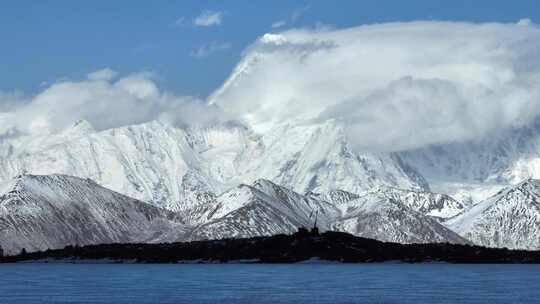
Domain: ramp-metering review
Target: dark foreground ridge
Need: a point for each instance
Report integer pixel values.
(300, 246)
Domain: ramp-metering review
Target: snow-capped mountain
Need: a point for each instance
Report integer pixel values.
(265, 208)
(318, 158)
(378, 216)
(510, 218)
(221, 180)
(432, 204)
(192, 172)
(467, 171)
(335, 197)
(474, 170)
(169, 166)
(146, 162)
(41, 212)
(435, 205)
(53, 211)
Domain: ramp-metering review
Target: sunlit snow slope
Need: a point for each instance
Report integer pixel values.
(168, 166)
(510, 218)
(41, 212)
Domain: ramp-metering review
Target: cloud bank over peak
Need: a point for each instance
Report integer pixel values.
(103, 100)
(393, 86)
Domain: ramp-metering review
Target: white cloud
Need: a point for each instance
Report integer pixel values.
(104, 103)
(208, 49)
(208, 18)
(105, 74)
(279, 23)
(524, 22)
(10, 100)
(393, 86)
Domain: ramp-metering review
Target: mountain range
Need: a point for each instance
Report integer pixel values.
(39, 212)
(226, 180)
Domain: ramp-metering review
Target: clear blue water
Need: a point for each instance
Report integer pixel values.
(240, 283)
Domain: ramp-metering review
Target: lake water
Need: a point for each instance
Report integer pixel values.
(242, 283)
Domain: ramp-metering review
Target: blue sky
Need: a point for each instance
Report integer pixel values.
(44, 41)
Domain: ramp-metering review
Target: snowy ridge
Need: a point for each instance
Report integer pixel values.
(265, 208)
(334, 197)
(168, 166)
(318, 158)
(41, 212)
(195, 173)
(53, 211)
(479, 168)
(428, 203)
(380, 217)
(510, 218)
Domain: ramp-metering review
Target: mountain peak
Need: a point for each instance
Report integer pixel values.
(528, 182)
(53, 211)
(526, 186)
(263, 182)
(79, 127)
(510, 218)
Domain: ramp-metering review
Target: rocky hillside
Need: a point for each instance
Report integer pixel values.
(41, 212)
(510, 218)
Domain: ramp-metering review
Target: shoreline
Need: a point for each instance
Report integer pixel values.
(299, 248)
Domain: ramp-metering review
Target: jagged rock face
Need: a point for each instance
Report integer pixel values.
(436, 205)
(168, 166)
(189, 171)
(318, 158)
(511, 218)
(380, 217)
(200, 210)
(335, 197)
(146, 162)
(41, 212)
(266, 208)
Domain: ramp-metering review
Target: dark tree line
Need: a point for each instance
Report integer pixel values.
(300, 246)
(22, 253)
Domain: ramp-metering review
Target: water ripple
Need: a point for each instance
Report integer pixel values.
(331, 283)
